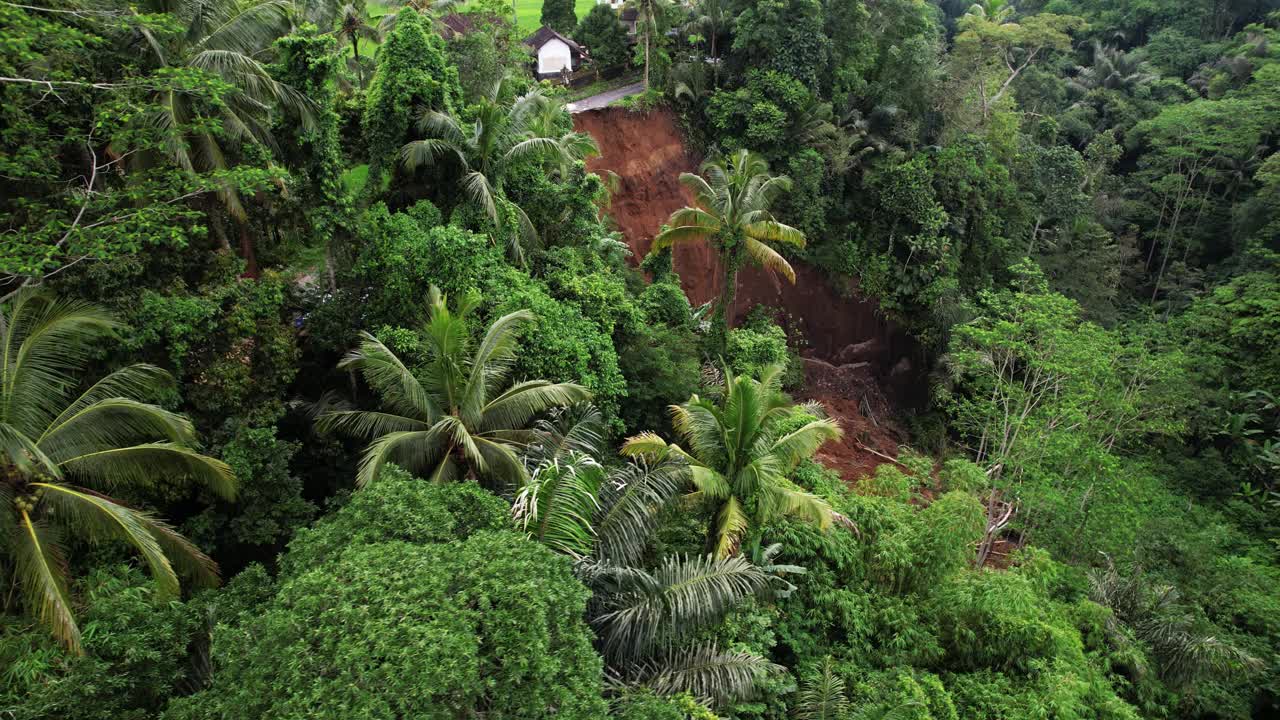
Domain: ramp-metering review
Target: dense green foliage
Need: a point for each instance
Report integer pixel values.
(329, 288)
(601, 32)
(559, 15)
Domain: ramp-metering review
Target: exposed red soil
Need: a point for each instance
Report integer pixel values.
(857, 363)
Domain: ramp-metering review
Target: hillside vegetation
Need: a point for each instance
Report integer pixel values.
(882, 360)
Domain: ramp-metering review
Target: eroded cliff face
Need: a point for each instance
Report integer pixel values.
(857, 362)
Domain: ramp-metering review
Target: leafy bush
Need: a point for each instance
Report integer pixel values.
(135, 655)
(403, 509)
(382, 613)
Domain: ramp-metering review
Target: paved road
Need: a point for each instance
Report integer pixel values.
(595, 102)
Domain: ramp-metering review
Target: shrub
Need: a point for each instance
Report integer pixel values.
(381, 614)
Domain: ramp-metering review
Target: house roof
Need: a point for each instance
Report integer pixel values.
(545, 35)
(456, 24)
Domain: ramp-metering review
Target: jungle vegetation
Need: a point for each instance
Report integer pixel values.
(330, 389)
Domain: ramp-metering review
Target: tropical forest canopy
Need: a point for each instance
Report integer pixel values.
(329, 387)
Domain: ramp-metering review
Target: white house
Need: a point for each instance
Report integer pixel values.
(556, 53)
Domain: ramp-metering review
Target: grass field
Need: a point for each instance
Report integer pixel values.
(528, 12)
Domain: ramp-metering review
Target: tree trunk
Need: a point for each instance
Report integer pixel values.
(355, 51)
(248, 249)
(647, 34)
(724, 309)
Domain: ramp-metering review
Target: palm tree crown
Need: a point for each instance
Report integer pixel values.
(498, 137)
(459, 414)
(648, 620)
(740, 451)
(60, 452)
(1112, 69)
(351, 28)
(225, 38)
(733, 199)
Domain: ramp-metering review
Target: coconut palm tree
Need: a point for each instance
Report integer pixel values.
(647, 619)
(709, 17)
(459, 415)
(498, 137)
(62, 451)
(733, 198)
(740, 451)
(647, 12)
(548, 118)
(353, 27)
(1152, 614)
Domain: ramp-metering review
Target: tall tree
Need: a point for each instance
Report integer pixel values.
(559, 15)
(413, 76)
(647, 14)
(459, 415)
(60, 452)
(352, 28)
(733, 199)
(604, 37)
(223, 39)
(740, 451)
(990, 54)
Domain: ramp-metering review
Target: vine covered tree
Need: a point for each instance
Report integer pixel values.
(62, 451)
(460, 415)
(413, 76)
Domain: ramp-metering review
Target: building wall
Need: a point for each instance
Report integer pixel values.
(554, 57)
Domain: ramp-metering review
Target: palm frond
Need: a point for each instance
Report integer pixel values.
(730, 525)
(681, 596)
(672, 236)
(248, 30)
(501, 466)
(699, 423)
(113, 423)
(557, 504)
(769, 259)
(575, 429)
(646, 445)
(419, 451)
(103, 519)
(630, 502)
(774, 231)
(366, 423)
(396, 386)
(515, 407)
(424, 153)
(802, 443)
(143, 464)
(488, 364)
(704, 671)
(537, 147)
(480, 191)
(24, 453)
(42, 572)
(46, 341)
(823, 698)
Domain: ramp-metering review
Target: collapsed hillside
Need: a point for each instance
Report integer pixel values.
(857, 363)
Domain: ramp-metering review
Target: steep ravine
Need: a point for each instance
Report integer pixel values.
(856, 362)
